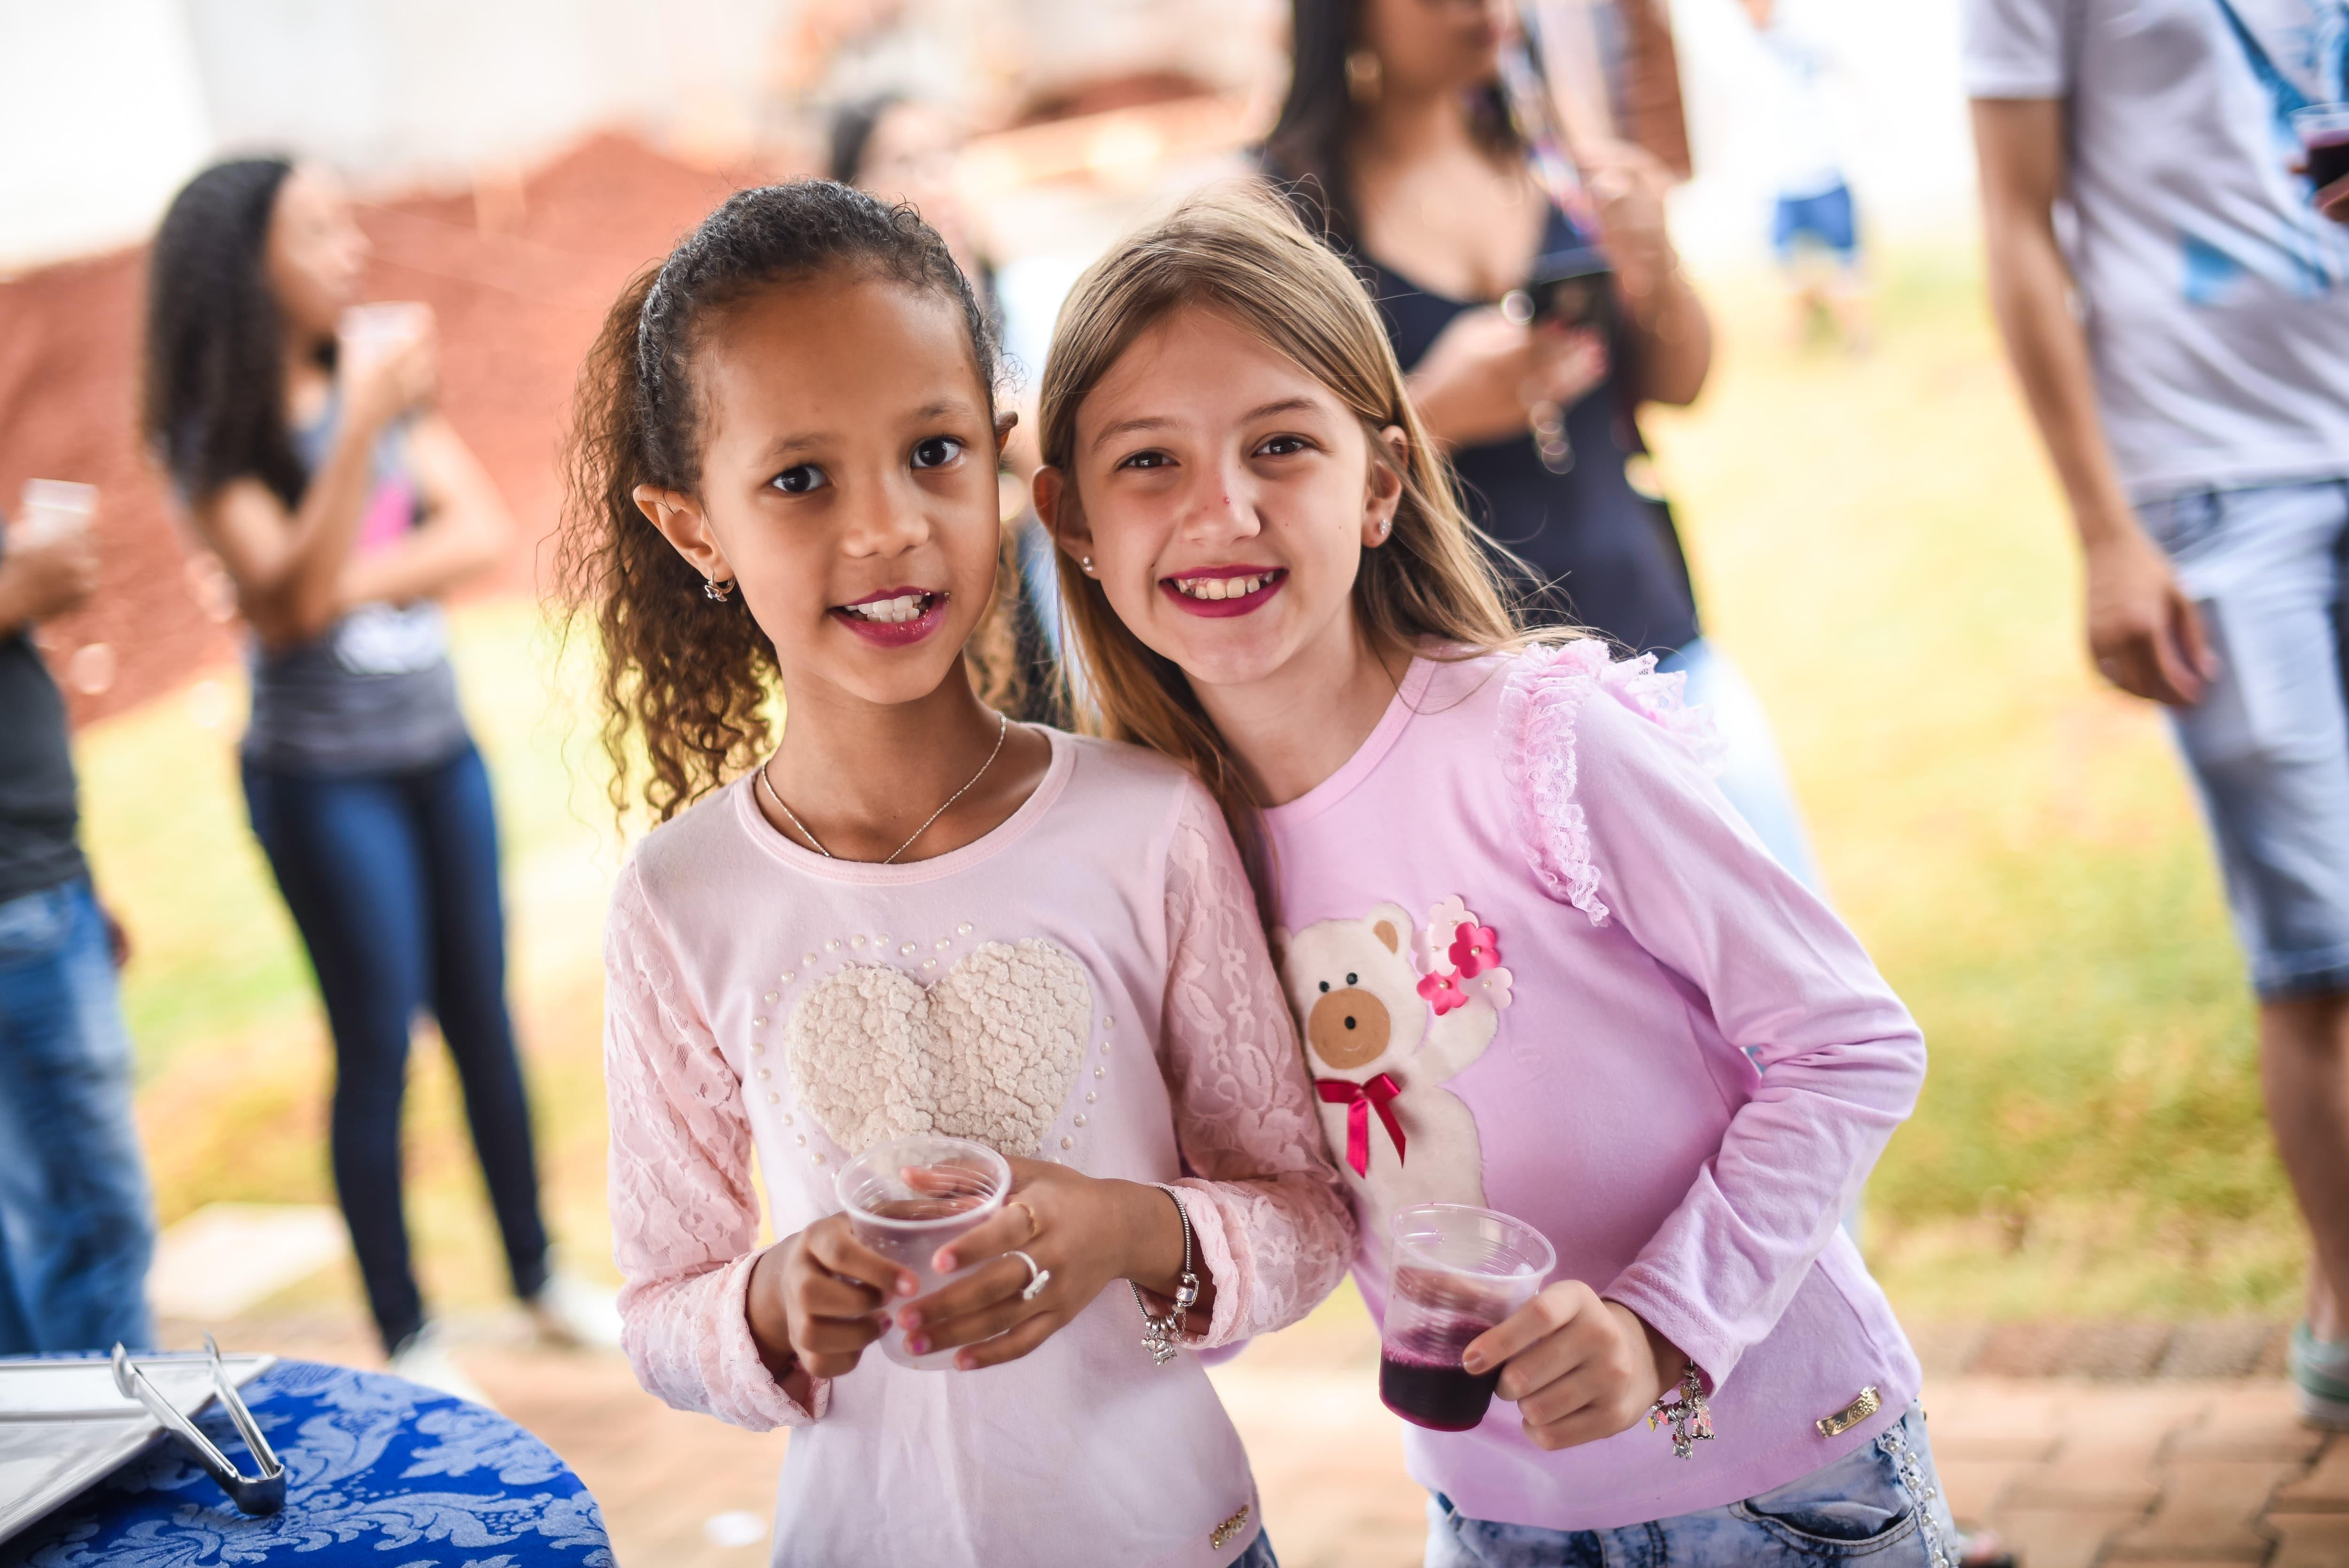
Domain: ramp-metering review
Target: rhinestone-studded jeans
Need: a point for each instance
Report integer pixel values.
(1881, 1505)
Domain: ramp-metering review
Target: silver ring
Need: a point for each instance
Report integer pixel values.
(1038, 1276)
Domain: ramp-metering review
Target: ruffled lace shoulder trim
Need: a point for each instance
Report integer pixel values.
(1540, 706)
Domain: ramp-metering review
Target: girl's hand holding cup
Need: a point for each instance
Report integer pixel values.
(1084, 1232)
(815, 1299)
(387, 360)
(1579, 1368)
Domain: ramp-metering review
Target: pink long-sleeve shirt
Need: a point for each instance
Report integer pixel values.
(1524, 906)
(1086, 984)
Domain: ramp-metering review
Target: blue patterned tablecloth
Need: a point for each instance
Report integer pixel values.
(378, 1471)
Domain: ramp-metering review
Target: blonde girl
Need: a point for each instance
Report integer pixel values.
(1529, 944)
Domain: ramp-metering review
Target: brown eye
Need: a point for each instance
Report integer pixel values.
(800, 479)
(936, 451)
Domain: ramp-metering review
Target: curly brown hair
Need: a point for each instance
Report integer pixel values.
(689, 681)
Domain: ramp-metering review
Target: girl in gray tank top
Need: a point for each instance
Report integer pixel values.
(342, 505)
(375, 692)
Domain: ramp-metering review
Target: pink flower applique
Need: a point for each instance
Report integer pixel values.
(1443, 920)
(1493, 984)
(1441, 991)
(1475, 949)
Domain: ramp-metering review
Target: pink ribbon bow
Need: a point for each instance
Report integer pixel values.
(1360, 1100)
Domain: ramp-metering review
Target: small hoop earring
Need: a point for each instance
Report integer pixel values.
(1365, 77)
(718, 590)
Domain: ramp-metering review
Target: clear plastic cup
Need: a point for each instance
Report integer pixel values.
(1457, 1272)
(908, 1198)
(366, 332)
(53, 509)
(2324, 130)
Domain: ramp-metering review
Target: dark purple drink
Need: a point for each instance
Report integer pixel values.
(1441, 1398)
(2328, 159)
(1422, 1380)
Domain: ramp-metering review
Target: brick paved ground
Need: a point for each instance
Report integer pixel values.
(2131, 1467)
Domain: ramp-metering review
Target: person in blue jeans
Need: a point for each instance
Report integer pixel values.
(2182, 335)
(1814, 222)
(77, 1229)
(303, 439)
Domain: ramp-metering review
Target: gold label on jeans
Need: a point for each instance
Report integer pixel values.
(1853, 1414)
(1222, 1532)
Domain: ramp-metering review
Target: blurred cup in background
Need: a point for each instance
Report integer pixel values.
(2323, 130)
(367, 331)
(52, 510)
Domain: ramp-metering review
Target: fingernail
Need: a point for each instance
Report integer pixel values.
(945, 1263)
(917, 1345)
(966, 1362)
(909, 1320)
(908, 1284)
(1473, 1361)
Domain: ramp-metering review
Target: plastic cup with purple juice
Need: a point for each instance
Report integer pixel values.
(2323, 130)
(1457, 1271)
(908, 1198)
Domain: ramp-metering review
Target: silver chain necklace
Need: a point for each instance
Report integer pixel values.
(1002, 727)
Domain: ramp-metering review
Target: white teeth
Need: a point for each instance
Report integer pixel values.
(892, 611)
(1212, 588)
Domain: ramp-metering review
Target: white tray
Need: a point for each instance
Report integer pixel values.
(63, 1425)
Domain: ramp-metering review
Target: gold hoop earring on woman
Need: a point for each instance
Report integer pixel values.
(1365, 77)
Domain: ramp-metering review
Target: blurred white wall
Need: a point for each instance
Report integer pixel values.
(101, 118)
(112, 104)
(1899, 111)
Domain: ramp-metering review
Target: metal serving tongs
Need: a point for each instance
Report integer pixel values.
(261, 1494)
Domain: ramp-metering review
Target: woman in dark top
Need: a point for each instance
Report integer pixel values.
(1399, 138)
(342, 505)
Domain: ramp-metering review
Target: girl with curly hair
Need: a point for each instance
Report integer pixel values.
(909, 916)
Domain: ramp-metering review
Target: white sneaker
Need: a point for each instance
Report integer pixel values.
(2320, 1375)
(424, 1357)
(577, 1312)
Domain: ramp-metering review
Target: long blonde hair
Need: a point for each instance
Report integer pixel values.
(1430, 588)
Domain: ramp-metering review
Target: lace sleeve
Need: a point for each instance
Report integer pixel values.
(1271, 1218)
(1539, 709)
(685, 1218)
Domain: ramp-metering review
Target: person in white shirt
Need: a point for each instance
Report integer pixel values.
(2184, 345)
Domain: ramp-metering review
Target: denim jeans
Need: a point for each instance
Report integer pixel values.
(392, 879)
(1259, 1554)
(77, 1228)
(2269, 742)
(1881, 1504)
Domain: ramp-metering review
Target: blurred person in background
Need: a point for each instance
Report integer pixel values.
(1399, 140)
(1814, 223)
(342, 505)
(902, 150)
(2195, 401)
(77, 1229)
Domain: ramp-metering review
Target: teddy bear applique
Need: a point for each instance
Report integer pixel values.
(1390, 1012)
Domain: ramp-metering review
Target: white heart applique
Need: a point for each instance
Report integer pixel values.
(990, 1052)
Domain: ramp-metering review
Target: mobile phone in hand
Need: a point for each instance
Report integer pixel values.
(1569, 288)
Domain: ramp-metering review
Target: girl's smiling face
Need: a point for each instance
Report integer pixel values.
(847, 483)
(1225, 496)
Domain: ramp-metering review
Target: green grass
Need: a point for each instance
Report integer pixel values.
(1879, 544)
